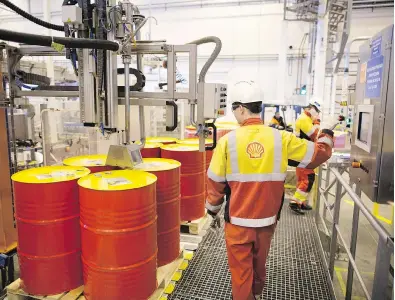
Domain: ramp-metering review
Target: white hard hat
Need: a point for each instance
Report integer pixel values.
(314, 101)
(245, 92)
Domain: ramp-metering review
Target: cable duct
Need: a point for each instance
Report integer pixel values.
(43, 40)
(28, 16)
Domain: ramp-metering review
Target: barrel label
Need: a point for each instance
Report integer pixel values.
(54, 175)
(97, 162)
(151, 165)
(117, 181)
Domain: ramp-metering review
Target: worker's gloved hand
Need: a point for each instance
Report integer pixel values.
(216, 222)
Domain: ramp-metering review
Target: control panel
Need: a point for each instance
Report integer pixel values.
(372, 147)
(215, 98)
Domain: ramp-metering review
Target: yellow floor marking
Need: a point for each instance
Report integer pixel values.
(376, 213)
(338, 272)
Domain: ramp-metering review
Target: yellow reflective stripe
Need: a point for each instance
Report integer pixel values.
(278, 151)
(232, 148)
(213, 208)
(215, 177)
(256, 177)
(308, 156)
(302, 192)
(311, 131)
(253, 222)
(325, 140)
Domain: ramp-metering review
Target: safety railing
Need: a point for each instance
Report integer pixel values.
(385, 246)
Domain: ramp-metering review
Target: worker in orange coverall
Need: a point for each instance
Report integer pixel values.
(307, 127)
(250, 163)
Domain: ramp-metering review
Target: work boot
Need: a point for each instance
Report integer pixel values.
(295, 207)
(305, 206)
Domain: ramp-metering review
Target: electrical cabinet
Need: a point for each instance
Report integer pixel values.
(215, 98)
(372, 149)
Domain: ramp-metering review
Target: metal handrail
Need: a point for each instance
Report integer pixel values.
(385, 245)
(369, 216)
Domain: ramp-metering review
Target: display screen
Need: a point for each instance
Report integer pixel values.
(364, 126)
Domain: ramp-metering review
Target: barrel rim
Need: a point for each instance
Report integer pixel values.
(161, 139)
(30, 175)
(194, 141)
(171, 164)
(180, 148)
(86, 182)
(78, 161)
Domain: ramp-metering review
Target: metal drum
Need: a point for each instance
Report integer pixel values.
(192, 178)
(118, 234)
(209, 153)
(151, 150)
(95, 163)
(224, 128)
(168, 205)
(47, 217)
(162, 139)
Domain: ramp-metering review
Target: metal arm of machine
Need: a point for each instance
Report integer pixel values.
(202, 76)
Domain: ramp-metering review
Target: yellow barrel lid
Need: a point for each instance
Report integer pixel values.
(50, 174)
(158, 164)
(180, 147)
(150, 145)
(194, 141)
(118, 180)
(161, 139)
(86, 160)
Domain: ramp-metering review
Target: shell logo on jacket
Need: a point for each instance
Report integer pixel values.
(255, 150)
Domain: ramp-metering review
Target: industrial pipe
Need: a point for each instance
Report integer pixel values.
(126, 62)
(214, 55)
(43, 40)
(137, 33)
(207, 65)
(28, 16)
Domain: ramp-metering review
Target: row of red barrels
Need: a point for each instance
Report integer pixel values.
(121, 224)
(108, 230)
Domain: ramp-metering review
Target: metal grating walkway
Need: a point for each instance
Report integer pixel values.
(294, 267)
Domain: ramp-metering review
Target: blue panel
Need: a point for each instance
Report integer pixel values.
(374, 77)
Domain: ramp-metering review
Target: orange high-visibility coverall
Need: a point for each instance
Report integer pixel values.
(251, 164)
(305, 128)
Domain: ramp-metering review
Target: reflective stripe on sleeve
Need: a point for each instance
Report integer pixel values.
(232, 147)
(278, 151)
(313, 129)
(325, 140)
(214, 177)
(308, 156)
(253, 222)
(213, 208)
(256, 177)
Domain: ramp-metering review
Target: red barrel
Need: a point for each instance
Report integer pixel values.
(192, 178)
(209, 153)
(95, 163)
(118, 234)
(224, 128)
(47, 216)
(151, 150)
(168, 205)
(162, 139)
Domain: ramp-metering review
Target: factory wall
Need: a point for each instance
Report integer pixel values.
(254, 39)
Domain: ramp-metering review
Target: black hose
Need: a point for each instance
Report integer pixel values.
(43, 40)
(28, 16)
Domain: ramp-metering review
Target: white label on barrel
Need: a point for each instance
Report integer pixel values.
(151, 165)
(97, 162)
(117, 181)
(54, 174)
(43, 176)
